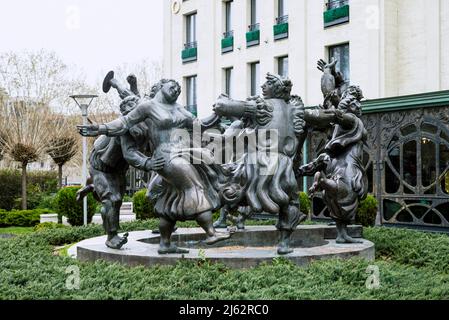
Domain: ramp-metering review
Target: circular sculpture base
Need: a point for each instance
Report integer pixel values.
(245, 249)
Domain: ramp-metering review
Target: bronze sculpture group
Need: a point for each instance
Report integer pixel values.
(255, 170)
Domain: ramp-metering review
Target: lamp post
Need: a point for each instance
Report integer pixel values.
(84, 102)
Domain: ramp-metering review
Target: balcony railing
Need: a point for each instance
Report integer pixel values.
(254, 27)
(228, 34)
(190, 52)
(191, 45)
(227, 43)
(280, 29)
(282, 19)
(253, 35)
(336, 12)
(335, 4)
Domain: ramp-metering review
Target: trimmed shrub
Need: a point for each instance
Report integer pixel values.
(143, 208)
(21, 218)
(304, 203)
(31, 270)
(67, 206)
(48, 225)
(367, 212)
(127, 198)
(410, 247)
(47, 202)
(10, 186)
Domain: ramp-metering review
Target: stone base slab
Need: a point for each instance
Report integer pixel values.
(310, 243)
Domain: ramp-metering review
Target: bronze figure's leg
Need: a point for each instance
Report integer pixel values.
(289, 218)
(110, 212)
(82, 193)
(221, 222)
(166, 228)
(238, 221)
(205, 221)
(342, 234)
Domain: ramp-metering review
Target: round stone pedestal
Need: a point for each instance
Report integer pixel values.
(245, 249)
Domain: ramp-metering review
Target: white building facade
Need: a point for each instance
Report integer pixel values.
(388, 47)
(397, 51)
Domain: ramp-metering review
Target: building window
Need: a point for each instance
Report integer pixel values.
(341, 53)
(229, 81)
(336, 12)
(191, 28)
(283, 66)
(282, 8)
(255, 78)
(280, 29)
(190, 51)
(253, 34)
(228, 15)
(254, 12)
(191, 104)
(227, 43)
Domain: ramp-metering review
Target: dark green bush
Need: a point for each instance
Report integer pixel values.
(127, 198)
(419, 249)
(67, 206)
(47, 202)
(48, 225)
(367, 212)
(304, 203)
(29, 270)
(21, 218)
(34, 197)
(143, 208)
(10, 186)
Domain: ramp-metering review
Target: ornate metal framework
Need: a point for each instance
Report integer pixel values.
(407, 162)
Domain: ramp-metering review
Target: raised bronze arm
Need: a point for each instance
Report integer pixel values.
(227, 107)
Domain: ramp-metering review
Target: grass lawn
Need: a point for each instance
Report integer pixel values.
(16, 230)
(412, 265)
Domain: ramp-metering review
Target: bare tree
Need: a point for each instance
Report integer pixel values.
(37, 83)
(63, 145)
(25, 134)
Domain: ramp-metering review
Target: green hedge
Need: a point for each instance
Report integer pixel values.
(67, 206)
(143, 208)
(30, 270)
(367, 212)
(40, 183)
(304, 203)
(409, 247)
(21, 218)
(49, 225)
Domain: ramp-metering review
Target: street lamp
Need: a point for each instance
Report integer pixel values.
(84, 102)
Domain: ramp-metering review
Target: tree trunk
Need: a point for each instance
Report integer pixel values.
(60, 176)
(24, 186)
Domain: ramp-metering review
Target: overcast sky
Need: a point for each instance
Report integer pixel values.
(96, 35)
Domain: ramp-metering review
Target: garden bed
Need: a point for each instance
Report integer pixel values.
(412, 265)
